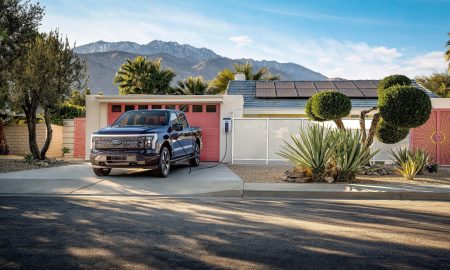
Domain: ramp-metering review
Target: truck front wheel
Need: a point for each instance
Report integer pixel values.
(102, 171)
(164, 162)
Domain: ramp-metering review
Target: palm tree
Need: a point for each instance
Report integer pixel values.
(191, 86)
(447, 53)
(263, 74)
(220, 83)
(143, 76)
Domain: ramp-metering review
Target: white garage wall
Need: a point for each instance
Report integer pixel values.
(257, 140)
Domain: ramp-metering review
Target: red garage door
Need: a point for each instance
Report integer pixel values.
(205, 116)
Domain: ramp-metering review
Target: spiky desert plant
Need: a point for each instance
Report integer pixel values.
(350, 155)
(311, 149)
(410, 162)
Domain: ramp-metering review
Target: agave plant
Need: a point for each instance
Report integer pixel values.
(312, 149)
(410, 162)
(349, 154)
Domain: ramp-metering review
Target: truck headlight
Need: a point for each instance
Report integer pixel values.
(150, 141)
(93, 140)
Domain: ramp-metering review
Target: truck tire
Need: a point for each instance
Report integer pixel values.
(164, 162)
(102, 171)
(195, 160)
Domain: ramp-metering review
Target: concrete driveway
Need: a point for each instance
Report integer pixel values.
(80, 180)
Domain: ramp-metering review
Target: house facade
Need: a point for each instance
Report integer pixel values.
(262, 115)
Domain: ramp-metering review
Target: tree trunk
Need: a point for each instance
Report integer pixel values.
(4, 149)
(48, 140)
(372, 130)
(30, 110)
(339, 124)
(362, 124)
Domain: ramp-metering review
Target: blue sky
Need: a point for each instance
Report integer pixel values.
(350, 39)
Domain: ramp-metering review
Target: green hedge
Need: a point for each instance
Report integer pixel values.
(330, 105)
(387, 133)
(404, 106)
(309, 113)
(393, 80)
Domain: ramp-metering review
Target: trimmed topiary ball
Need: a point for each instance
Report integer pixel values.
(393, 80)
(404, 106)
(309, 113)
(330, 105)
(387, 133)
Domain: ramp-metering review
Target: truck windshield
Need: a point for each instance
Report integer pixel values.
(142, 118)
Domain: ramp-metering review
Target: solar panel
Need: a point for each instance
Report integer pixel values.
(289, 85)
(265, 93)
(264, 85)
(352, 92)
(375, 82)
(286, 92)
(369, 92)
(306, 92)
(304, 85)
(324, 85)
(364, 84)
(344, 84)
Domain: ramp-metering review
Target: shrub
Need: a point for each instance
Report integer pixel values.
(410, 162)
(404, 106)
(330, 105)
(393, 80)
(309, 113)
(65, 150)
(387, 133)
(67, 111)
(349, 155)
(312, 150)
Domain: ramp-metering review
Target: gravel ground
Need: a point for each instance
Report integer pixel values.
(14, 165)
(275, 173)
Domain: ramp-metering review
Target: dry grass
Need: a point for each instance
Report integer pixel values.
(275, 173)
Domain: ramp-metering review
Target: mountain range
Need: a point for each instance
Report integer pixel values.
(103, 59)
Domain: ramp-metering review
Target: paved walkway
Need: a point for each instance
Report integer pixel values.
(80, 180)
(218, 181)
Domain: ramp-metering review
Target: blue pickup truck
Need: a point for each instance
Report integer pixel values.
(149, 139)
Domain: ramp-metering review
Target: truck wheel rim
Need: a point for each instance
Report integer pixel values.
(165, 161)
(197, 154)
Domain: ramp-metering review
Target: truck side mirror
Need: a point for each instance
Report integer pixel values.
(177, 127)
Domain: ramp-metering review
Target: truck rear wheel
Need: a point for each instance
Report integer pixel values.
(102, 171)
(195, 160)
(164, 162)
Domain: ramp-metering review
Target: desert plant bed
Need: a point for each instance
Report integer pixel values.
(14, 165)
(276, 174)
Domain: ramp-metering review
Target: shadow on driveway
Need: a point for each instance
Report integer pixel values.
(139, 233)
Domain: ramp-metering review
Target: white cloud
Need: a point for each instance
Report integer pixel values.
(241, 40)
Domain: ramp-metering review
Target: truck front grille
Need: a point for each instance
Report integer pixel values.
(103, 143)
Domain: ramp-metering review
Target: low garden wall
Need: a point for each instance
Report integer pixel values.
(17, 139)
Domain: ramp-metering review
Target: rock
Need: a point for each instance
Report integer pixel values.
(42, 164)
(329, 179)
(52, 161)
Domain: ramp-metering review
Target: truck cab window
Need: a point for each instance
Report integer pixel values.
(173, 119)
(183, 120)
